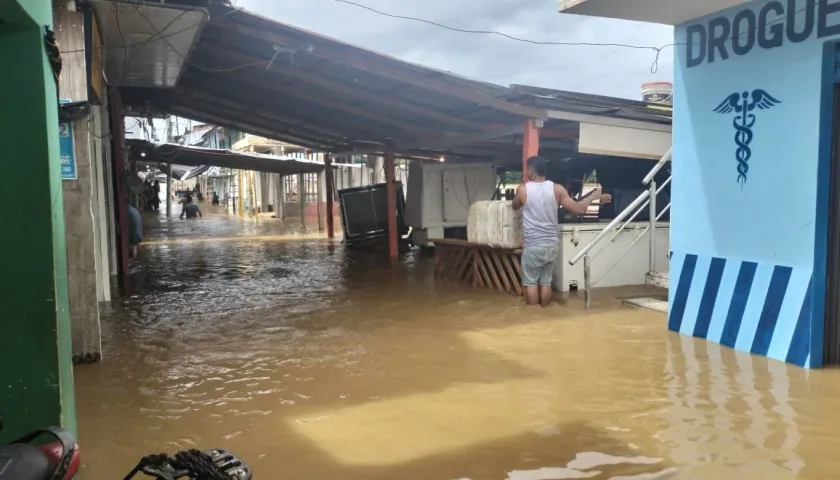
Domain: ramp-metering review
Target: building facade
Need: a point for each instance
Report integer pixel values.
(754, 209)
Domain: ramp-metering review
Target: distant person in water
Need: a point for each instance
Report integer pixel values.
(190, 209)
(215, 198)
(135, 230)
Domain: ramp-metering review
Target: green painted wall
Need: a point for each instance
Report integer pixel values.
(36, 376)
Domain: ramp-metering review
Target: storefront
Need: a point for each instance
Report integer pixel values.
(754, 229)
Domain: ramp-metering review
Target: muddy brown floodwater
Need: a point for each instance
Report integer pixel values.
(312, 362)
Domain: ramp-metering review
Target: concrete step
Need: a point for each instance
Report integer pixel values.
(648, 303)
(657, 279)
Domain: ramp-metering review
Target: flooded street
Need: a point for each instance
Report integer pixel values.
(311, 362)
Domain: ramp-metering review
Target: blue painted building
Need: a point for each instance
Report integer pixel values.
(753, 201)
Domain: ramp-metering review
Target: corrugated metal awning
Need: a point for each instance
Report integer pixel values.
(147, 44)
(169, 153)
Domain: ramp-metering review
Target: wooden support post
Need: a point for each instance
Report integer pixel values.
(121, 201)
(319, 179)
(390, 192)
(328, 171)
(302, 198)
(530, 145)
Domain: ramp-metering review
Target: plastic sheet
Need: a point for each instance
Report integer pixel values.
(495, 223)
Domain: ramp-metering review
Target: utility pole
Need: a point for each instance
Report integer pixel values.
(169, 137)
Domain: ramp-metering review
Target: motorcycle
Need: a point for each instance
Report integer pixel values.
(55, 460)
(29, 458)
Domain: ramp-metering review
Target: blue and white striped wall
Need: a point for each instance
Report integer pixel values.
(759, 308)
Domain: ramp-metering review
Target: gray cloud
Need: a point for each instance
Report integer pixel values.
(613, 71)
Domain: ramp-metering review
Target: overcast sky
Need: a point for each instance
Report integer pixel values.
(613, 71)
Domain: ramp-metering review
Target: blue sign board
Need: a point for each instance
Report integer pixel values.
(66, 149)
(68, 157)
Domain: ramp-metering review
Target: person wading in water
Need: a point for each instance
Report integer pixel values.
(190, 209)
(539, 199)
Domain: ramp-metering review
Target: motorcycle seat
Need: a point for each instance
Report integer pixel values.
(23, 462)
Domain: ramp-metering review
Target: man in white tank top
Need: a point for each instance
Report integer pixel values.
(539, 199)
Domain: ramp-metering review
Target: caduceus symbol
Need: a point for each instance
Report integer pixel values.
(742, 104)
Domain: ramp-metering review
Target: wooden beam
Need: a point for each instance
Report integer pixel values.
(420, 77)
(356, 92)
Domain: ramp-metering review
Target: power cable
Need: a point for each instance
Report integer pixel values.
(493, 32)
(653, 68)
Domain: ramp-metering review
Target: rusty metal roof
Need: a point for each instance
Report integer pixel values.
(250, 73)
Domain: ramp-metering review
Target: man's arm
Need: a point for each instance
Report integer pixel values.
(520, 198)
(567, 202)
(199, 213)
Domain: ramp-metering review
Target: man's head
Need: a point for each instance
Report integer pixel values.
(537, 167)
(188, 198)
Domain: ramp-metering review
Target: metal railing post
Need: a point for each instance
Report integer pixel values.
(586, 282)
(652, 229)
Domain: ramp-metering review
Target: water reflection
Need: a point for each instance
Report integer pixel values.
(729, 413)
(311, 361)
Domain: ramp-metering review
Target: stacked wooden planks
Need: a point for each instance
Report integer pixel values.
(479, 265)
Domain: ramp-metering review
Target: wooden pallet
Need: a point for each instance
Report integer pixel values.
(479, 265)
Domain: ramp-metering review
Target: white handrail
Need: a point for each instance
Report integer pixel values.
(627, 211)
(603, 233)
(632, 244)
(646, 198)
(629, 220)
(661, 163)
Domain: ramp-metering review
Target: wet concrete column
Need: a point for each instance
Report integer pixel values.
(281, 197)
(79, 158)
(265, 191)
(81, 237)
(36, 370)
(103, 199)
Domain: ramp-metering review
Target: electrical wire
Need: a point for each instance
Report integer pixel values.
(122, 39)
(658, 50)
(653, 68)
